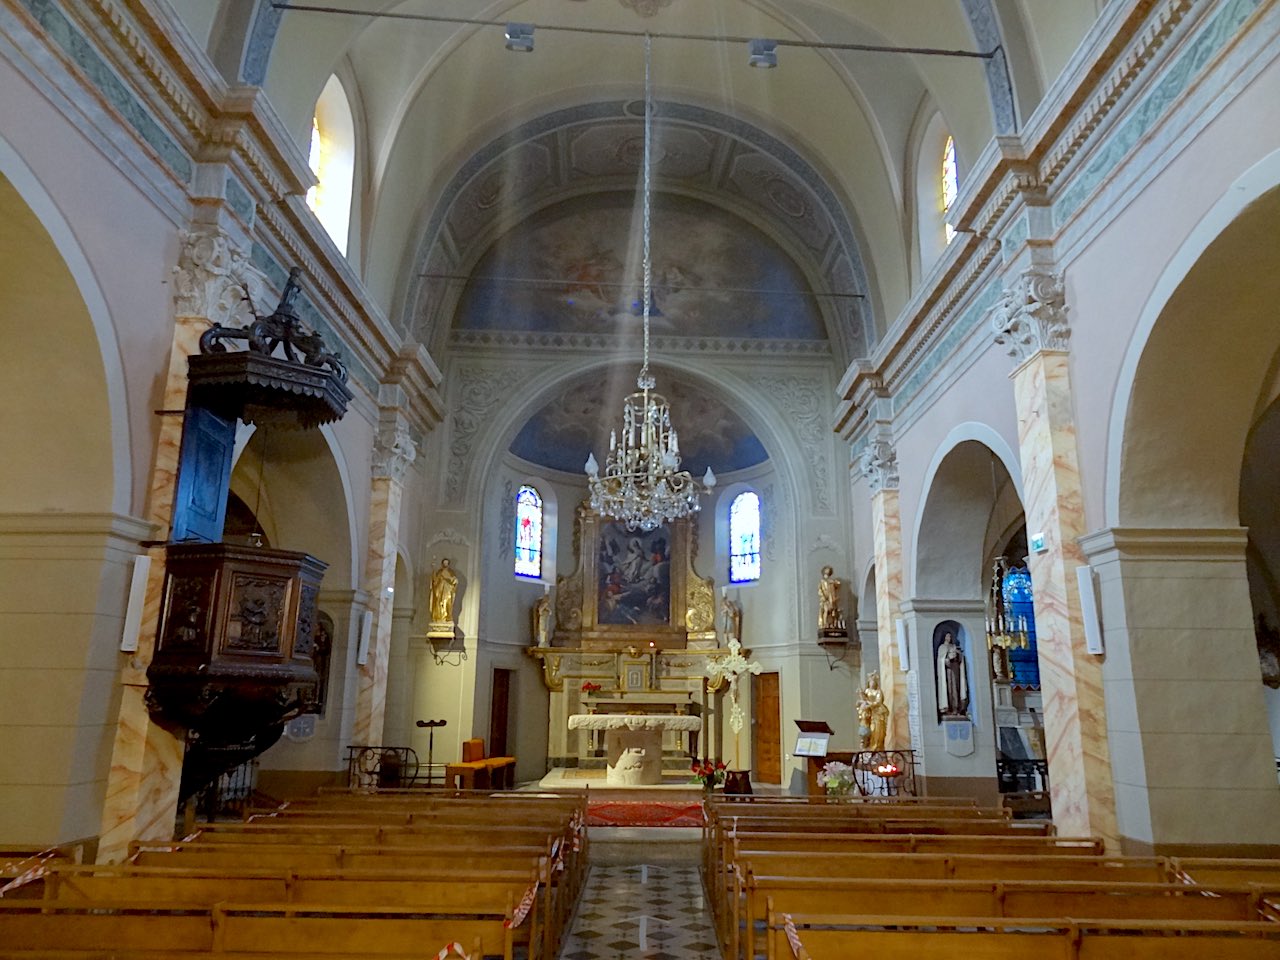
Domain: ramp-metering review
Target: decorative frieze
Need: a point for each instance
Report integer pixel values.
(879, 464)
(1031, 314)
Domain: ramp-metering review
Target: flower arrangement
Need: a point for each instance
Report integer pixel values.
(836, 778)
(589, 688)
(708, 773)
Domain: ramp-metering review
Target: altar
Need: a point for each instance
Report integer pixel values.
(633, 742)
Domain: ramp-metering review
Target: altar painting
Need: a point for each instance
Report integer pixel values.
(633, 586)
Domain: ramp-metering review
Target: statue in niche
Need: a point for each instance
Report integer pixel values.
(730, 617)
(541, 618)
(873, 714)
(830, 616)
(951, 677)
(444, 588)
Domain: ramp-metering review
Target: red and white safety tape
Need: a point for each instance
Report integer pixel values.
(454, 948)
(39, 864)
(523, 908)
(793, 938)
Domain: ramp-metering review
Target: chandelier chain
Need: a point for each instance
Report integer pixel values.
(647, 195)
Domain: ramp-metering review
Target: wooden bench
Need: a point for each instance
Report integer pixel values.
(29, 927)
(895, 899)
(841, 936)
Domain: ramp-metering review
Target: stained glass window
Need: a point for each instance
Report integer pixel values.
(528, 533)
(950, 184)
(744, 538)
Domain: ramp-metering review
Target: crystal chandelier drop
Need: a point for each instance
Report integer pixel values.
(642, 484)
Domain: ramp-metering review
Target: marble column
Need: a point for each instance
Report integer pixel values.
(393, 454)
(210, 281)
(1031, 320)
(880, 467)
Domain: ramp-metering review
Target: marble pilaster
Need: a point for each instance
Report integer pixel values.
(393, 454)
(880, 467)
(210, 281)
(1031, 321)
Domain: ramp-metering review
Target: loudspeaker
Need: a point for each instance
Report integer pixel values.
(137, 598)
(1089, 609)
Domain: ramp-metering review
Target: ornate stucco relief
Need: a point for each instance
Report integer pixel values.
(800, 399)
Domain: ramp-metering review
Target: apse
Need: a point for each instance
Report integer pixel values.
(578, 419)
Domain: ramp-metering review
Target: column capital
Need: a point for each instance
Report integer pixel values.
(393, 451)
(1031, 314)
(213, 277)
(879, 464)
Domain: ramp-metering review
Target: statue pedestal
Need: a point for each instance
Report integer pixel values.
(633, 743)
(441, 630)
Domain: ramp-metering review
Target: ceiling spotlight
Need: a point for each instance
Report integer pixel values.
(764, 53)
(520, 37)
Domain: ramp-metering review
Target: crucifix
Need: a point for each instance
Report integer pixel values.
(731, 669)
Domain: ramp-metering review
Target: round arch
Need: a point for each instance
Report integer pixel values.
(1173, 372)
(965, 486)
(292, 478)
(94, 425)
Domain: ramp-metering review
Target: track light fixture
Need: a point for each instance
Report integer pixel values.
(763, 54)
(520, 37)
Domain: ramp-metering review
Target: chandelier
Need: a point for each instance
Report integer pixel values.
(642, 484)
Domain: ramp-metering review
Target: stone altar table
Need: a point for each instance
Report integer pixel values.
(633, 742)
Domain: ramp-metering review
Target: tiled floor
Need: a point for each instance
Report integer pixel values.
(642, 913)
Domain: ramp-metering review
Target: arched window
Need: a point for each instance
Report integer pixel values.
(528, 533)
(950, 175)
(744, 538)
(332, 156)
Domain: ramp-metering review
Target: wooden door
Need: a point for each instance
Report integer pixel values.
(499, 713)
(766, 720)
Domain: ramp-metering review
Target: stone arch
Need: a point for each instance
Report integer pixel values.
(959, 497)
(80, 423)
(1228, 268)
(294, 480)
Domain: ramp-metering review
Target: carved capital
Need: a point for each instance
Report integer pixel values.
(879, 464)
(393, 452)
(1031, 314)
(213, 278)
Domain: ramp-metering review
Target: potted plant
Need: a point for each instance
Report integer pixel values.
(709, 773)
(590, 688)
(836, 778)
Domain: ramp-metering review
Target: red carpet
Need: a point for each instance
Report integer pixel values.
(644, 813)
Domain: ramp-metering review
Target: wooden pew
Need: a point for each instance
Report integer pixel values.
(894, 899)
(841, 936)
(169, 887)
(30, 927)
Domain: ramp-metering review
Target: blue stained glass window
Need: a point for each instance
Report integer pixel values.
(744, 538)
(528, 533)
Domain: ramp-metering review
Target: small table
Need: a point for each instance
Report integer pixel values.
(633, 742)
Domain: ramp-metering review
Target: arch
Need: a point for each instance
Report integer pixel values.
(931, 212)
(332, 156)
(969, 431)
(289, 479)
(1228, 264)
(961, 490)
(111, 403)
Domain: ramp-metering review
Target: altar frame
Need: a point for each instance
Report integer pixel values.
(689, 614)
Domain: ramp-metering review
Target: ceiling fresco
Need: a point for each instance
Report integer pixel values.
(576, 268)
(578, 420)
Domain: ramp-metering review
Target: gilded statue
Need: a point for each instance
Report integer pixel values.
(830, 617)
(873, 715)
(444, 588)
(541, 616)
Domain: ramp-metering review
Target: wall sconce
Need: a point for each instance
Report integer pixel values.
(520, 37)
(763, 54)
